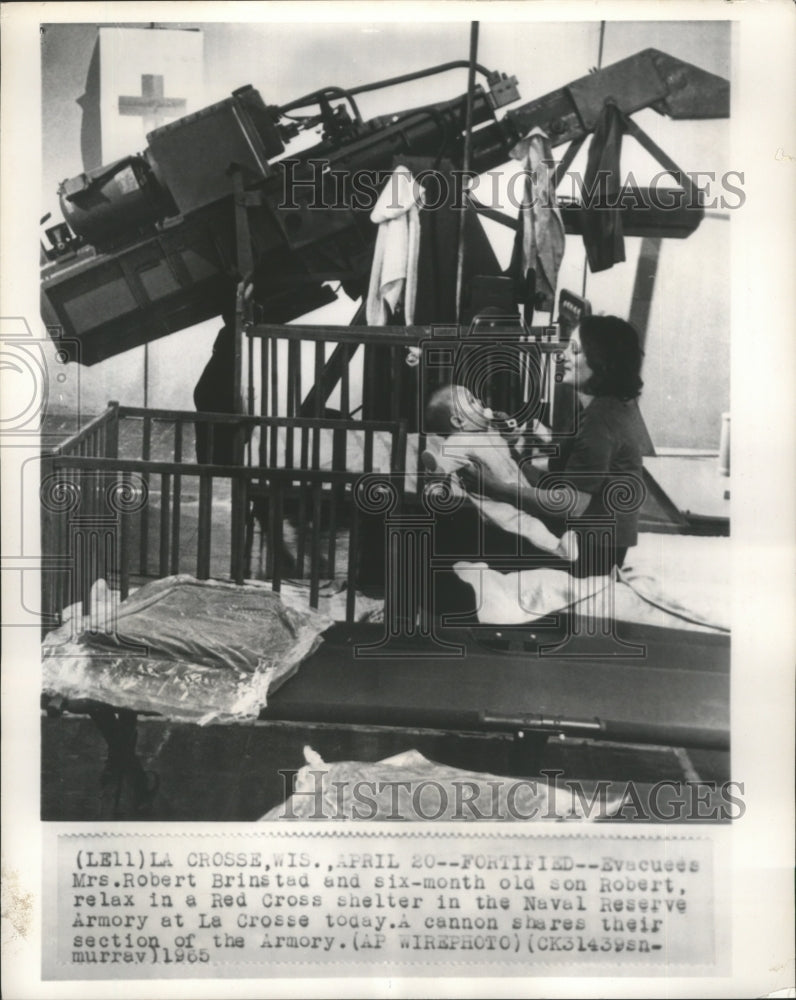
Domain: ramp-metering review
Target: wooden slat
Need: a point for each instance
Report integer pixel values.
(315, 551)
(165, 518)
(293, 394)
(66, 596)
(317, 376)
(397, 362)
(238, 540)
(177, 501)
(332, 529)
(275, 537)
(306, 433)
(353, 562)
(270, 536)
(146, 450)
(301, 542)
(398, 455)
(235, 529)
(205, 526)
(368, 371)
(339, 460)
(339, 448)
(316, 448)
(111, 567)
(264, 387)
(293, 377)
(48, 576)
(124, 535)
(112, 444)
(250, 372)
(248, 542)
(368, 456)
(345, 379)
(274, 393)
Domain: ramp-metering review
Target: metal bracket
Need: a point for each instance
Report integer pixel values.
(538, 723)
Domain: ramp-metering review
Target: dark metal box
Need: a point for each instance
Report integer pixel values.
(195, 156)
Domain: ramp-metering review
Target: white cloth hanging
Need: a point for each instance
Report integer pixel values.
(393, 274)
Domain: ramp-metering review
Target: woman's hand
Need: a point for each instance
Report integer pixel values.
(479, 478)
(534, 470)
(535, 436)
(540, 431)
(507, 427)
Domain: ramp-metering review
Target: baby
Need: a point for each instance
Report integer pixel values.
(462, 433)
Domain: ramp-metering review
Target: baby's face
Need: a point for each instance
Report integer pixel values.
(468, 413)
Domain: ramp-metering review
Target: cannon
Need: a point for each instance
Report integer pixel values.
(156, 242)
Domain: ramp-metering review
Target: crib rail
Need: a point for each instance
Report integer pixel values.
(124, 501)
(389, 372)
(99, 438)
(292, 442)
(319, 359)
(101, 528)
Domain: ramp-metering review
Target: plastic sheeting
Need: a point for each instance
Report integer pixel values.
(195, 651)
(410, 787)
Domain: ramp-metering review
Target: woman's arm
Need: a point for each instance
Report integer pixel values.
(522, 494)
(587, 465)
(533, 469)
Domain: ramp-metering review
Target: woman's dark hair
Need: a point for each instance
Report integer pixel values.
(613, 353)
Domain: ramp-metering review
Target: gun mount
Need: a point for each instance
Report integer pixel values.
(154, 243)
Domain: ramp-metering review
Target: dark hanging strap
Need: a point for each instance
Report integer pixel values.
(602, 218)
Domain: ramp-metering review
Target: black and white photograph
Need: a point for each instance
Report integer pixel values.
(396, 494)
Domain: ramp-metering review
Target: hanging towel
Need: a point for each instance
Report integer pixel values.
(393, 274)
(539, 244)
(602, 224)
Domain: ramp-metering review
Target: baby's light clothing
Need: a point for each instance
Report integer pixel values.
(449, 455)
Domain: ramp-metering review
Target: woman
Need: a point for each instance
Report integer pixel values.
(601, 461)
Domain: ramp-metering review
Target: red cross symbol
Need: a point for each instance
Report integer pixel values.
(151, 105)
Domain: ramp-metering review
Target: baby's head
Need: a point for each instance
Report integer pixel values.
(454, 408)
